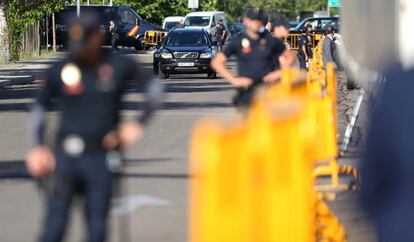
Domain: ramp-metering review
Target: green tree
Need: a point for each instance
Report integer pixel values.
(22, 13)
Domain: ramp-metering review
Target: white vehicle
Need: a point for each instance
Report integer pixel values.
(205, 20)
(171, 22)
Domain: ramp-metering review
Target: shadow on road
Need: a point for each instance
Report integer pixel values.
(13, 170)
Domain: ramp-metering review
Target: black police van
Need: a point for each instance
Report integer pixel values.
(124, 17)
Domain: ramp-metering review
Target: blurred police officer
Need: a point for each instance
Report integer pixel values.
(303, 48)
(255, 52)
(280, 29)
(88, 86)
(387, 167)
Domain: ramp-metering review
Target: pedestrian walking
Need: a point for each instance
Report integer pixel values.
(255, 52)
(221, 34)
(329, 48)
(113, 29)
(88, 85)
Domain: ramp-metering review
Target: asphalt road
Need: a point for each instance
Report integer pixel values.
(155, 185)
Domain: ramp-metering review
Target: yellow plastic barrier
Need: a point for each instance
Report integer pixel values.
(256, 180)
(253, 182)
(293, 42)
(153, 37)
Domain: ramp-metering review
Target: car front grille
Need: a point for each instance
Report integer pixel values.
(186, 55)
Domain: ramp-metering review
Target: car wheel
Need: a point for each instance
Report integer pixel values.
(164, 75)
(138, 45)
(212, 75)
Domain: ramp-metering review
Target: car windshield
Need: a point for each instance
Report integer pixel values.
(186, 39)
(170, 25)
(197, 21)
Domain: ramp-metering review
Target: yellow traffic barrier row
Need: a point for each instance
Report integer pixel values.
(242, 190)
(153, 37)
(256, 181)
(293, 40)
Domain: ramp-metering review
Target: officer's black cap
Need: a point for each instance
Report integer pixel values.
(278, 20)
(256, 14)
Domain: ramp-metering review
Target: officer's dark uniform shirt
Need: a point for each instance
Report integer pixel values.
(90, 97)
(220, 30)
(255, 58)
(302, 41)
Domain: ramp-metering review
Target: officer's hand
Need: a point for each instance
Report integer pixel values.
(272, 77)
(242, 82)
(129, 133)
(125, 135)
(40, 161)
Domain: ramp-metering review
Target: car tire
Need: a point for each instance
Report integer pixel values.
(138, 45)
(212, 75)
(164, 75)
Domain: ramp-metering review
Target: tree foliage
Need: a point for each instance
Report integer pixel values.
(22, 13)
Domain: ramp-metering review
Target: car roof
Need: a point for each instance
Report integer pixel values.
(189, 30)
(173, 18)
(210, 13)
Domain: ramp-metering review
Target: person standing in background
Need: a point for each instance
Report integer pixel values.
(113, 29)
(303, 51)
(328, 47)
(221, 34)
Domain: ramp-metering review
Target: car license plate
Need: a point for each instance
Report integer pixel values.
(185, 64)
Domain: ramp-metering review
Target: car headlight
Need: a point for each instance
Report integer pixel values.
(206, 55)
(157, 55)
(166, 55)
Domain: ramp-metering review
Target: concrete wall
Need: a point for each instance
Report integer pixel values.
(369, 29)
(4, 40)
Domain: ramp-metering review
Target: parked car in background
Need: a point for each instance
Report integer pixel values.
(123, 16)
(171, 22)
(319, 24)
(293, 24)
(185, 51)
(205, 20)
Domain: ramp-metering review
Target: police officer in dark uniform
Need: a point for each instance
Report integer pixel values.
(255, 52)
(88, 86)
(303, 49)
(113, 29)
(221, 34)
(280, 29)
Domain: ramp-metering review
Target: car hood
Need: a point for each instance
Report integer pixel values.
(188, 49)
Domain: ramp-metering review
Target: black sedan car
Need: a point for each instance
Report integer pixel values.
(185, 51)
(319, 24)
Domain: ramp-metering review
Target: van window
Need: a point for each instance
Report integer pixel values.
(127, 16)
(201, 21)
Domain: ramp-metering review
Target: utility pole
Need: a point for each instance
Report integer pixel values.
(78, 8)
